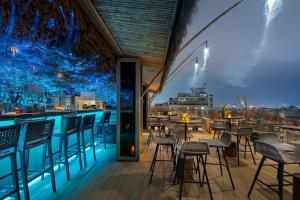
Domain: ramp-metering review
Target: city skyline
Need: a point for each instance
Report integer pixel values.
(251, 54)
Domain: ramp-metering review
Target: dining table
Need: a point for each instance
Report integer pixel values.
(229, 121)
(186, 123)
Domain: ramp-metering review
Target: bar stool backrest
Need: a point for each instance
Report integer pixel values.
(106, 117)
(292, 137)
(38, 132)
(269, 137)
(268, 150)
(245, 131)
(266, 128)
(246, 124)
(195, 148)
(226, 138)
(152, 120)
(218, 124)
(256, 128)
(88, 121)
(9, 136)
(72, 125)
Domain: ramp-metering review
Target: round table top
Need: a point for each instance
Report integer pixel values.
(291, 127)
(187, 122)
(272, 123)
(155, 124)
(158, 117)
(236, 117)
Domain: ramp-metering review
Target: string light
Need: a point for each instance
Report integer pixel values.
(206, 53)
(27, 62)
(196, 64)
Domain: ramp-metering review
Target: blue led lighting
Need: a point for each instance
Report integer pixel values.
(11, 22)
(35, 25)
(76, 41)
(53, 70)
(7, 123)
(69, 24)
(51, 24)
(55, 168)
(38, 179)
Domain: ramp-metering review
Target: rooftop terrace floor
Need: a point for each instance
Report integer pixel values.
(109, 179)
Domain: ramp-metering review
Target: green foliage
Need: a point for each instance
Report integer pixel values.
(226, 111)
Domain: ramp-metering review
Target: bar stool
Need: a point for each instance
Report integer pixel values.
(161, 141)
(199, 150)
(152, 130)
(222, 143)
(71, 127)
(218, 127)
(88, 124)
(9, 137)
(246, 133)
(104, 128)
(281, 156)
(150, 136)
(36, 133)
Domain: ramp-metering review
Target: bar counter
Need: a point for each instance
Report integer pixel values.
(6, 117)
(9, 119)
(36, 154)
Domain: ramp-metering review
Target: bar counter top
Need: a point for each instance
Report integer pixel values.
(6, 117)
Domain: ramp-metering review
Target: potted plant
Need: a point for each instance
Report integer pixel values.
(226, 112)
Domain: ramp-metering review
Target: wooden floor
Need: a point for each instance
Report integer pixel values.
(108, 179)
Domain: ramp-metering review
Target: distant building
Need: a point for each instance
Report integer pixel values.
(162, 108)
(195, 102)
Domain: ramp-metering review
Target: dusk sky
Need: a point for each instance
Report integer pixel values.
(252, 53)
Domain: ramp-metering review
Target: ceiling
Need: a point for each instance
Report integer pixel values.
(141, 28)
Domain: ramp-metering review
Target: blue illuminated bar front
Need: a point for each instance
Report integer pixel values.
(35, 156)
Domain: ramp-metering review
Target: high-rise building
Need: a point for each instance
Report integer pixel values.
(195, 102)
